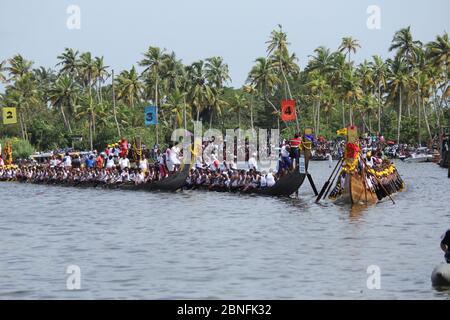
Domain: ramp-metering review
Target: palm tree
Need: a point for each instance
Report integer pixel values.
(408, 50)
(178, 108)
(101, 73)
(45, 78)
(2, 69)
(217, 72)
(68, 61)
(18, 66)
(351, 91)
(379, 69)
(317, 86)
(397, 83)
(406, 46)
(200, 92)
(277, 51)
(128, 87)
(87, 69)
(153, 61)
(239, 103)
(277, 45)
(350, 45)
(263, 77)
(24, 96)
(251, 90)
(322, 61)
(438, 52)
(64, 93)
(217, 106)
(172, 73)
(338, 68)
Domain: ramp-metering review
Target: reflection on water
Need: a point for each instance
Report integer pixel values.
(196, 244)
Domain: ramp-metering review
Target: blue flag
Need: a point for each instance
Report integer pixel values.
(150, 115)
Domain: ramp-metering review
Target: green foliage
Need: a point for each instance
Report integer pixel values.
(22, 149)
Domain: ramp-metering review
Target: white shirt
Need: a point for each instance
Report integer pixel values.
(110, 163)
(263, 181)
(124, 163)
(67, 161)
(174, 155)
(252, 163)
(270, 179)
(284, 152)
(143, 164)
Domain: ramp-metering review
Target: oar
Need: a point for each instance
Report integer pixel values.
(313, 186)
(332, 181)
(379, 182)
(328, 182)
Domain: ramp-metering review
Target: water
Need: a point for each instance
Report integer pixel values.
(195, 244)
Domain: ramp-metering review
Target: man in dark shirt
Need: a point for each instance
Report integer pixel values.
(445, 245)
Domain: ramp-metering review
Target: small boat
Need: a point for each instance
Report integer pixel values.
(420, 155)
(418, 158)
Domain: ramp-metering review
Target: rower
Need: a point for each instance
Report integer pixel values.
(445, 245)
(369, 159)
(270, 179)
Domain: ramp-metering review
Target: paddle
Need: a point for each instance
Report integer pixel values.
(313, 186)
(328, 182)
(384, 189)
(332, 182)
(379, 182)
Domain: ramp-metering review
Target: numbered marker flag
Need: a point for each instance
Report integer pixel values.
(9, 115)
(288, 110)
(150, 115)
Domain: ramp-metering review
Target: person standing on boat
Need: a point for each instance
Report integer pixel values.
(124, 162)
(174, 154)
(285, 157)
(252, 162)
(163, 172)
(445, 245)
(99, 161)
(90, 162)
(295, 148)
(143, 164)
(67, 161)
(110, 163)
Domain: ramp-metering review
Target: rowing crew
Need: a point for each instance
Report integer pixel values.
(230, 180)
(213, 179)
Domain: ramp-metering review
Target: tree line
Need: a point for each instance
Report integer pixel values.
(404, 97)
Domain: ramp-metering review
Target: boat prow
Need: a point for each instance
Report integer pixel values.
(285, 186)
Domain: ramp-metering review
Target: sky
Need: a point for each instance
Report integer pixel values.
(197, 29)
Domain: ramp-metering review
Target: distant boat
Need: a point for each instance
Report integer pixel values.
(421, 155)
